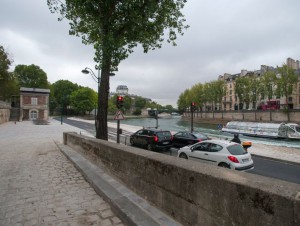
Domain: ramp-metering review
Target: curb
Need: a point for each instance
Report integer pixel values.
(127, 205)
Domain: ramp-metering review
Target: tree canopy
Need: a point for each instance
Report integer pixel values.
(8, 83)
(114, 28)
(83, 99)
(286, 81)
(206, 95)
(31, 76)
(62, 90)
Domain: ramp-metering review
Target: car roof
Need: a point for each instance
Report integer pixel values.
(155, 130)
(184, 131)
(221, 142)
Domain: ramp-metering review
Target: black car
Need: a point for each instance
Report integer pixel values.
(185, 138)
(152, 139)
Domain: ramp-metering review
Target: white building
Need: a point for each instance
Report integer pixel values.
(122, 90)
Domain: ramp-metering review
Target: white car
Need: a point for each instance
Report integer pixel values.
(221, 153)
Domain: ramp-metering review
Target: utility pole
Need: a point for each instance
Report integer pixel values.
(119, 115)
(192, 109)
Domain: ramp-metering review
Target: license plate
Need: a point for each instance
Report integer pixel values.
(245, 160)
(165, 142)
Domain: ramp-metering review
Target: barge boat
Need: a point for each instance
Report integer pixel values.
(258, 129)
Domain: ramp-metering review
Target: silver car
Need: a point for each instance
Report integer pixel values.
(221, 153)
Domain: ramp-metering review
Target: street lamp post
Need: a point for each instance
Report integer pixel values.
(98, 80)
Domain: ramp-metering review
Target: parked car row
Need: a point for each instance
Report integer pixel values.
(162, 139)
(195, 146)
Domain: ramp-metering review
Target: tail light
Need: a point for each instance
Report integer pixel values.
(155, 138)
(199, 140)
(172, 137)
(233, 159)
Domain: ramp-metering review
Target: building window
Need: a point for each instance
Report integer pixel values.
(230, 92)
(230, 98)
(33, 101)
(235, 98)
(33, 115)
(290, 99)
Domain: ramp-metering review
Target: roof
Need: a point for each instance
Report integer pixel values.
(34, 90)
(155, 130)
(221, 142)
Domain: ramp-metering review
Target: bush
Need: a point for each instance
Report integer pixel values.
(137, 112)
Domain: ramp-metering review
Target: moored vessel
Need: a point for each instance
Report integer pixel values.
(271, 130)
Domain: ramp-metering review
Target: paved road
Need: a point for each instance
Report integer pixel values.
(39, 186)
(265, 167)
(276, 169)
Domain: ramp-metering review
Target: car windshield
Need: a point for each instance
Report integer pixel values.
(164, 134)
(236, 149)
(297, 128)
(199, 135)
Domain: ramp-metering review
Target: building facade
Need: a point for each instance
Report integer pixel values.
(230, 100)
(34, 104)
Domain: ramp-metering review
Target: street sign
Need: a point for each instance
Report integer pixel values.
(119, 116)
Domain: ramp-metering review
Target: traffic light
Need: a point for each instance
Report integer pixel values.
(120, 102)
(193, 106)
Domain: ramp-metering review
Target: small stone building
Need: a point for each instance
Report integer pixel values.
(34, 104)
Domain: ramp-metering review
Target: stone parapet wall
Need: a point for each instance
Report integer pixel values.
(193, 193)
(254, 116)
(4, 112)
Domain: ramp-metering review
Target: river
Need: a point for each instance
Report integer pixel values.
(176, 124)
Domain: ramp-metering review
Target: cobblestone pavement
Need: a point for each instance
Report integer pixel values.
(39, 186)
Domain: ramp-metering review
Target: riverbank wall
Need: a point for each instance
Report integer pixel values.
(4, 112)
(223, 117)
(191, 192)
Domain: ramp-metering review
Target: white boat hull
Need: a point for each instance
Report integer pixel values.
(270, 130)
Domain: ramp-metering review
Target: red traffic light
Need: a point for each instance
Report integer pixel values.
(119, 98)
(120, 101)
(193, 106)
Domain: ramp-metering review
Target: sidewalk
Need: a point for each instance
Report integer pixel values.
(39, 185)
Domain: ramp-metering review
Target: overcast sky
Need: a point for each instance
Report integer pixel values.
(225, 36)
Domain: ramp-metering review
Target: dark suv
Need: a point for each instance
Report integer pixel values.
(152, 139)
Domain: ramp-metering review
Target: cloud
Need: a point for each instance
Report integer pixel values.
(225, 36)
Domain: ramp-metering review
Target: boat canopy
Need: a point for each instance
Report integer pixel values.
(247, 125)
(274, 130)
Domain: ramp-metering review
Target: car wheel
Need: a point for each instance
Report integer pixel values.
(149, 147)
(131, 142)
(184, 156)
(224, 165)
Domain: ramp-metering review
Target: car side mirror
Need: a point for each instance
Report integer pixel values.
(193, 148)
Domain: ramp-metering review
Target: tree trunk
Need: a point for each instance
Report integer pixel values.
(103, 92)
(287, 107)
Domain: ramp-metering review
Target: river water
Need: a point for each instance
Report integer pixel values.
(176, 124)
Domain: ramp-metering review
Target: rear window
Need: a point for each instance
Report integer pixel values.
(200, 136)
(163, 134)
(236, 149)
